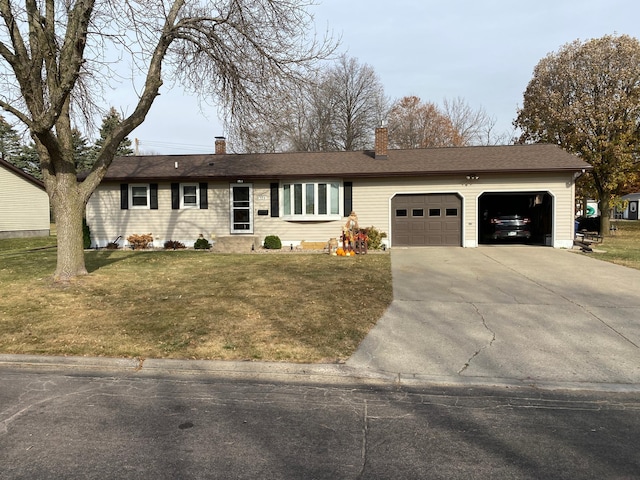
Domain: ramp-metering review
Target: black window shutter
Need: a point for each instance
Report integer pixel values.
(153, 196)
(175, 196)
(124, 196)
(275, 200)
(204, 195)
(348, 198)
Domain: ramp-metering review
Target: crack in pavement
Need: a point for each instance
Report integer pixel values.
(488, 345)
(586, 309)
(365, 432)
(564, 297)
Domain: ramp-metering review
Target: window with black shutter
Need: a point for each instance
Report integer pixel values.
(348, 198)
(175, 196)
(124, 196)
(275, 200)
(204, 197)
(153, 196)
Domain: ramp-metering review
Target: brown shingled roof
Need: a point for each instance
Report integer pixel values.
(428, 161)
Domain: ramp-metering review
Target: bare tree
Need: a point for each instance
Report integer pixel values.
(358, 103)
(586, 98)
(54, 66)
(475, 127)
(337, 108)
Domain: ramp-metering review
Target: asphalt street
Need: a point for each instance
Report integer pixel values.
(118, 424)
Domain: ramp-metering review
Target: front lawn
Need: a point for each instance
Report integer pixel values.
(191, 304)
(623, 247)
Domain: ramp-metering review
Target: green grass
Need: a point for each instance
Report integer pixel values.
(622, 248)
(191, 304)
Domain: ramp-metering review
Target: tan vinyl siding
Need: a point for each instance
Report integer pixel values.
(371, 202)
(24, 207)
(107, 221)
(372, 199)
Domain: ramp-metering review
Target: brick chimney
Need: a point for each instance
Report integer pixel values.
(221, 146)
(381, 143)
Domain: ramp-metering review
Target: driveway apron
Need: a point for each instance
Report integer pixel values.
(507, 312)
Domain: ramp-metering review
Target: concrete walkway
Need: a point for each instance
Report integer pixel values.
(507, 313)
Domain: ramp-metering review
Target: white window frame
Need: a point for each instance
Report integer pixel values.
(310, 212)
(182, 195)
(148, 196)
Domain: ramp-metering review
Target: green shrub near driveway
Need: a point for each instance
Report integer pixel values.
(272, 242)
(374, 238)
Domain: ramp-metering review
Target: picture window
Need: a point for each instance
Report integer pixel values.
(309, 200)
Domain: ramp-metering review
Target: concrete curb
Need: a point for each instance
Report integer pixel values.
(334, 374)
(276, 372)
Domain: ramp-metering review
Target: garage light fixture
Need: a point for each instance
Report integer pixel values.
(472, 176)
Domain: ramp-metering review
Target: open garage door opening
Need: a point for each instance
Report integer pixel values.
(515, 217)
(426, 220)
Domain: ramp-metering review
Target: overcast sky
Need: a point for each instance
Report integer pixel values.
(483, 51)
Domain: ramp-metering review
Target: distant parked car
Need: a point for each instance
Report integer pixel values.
(510, 226)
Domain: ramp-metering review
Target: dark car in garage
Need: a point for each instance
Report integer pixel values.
(512, 226)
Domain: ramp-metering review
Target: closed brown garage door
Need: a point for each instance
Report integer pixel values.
(426, 219)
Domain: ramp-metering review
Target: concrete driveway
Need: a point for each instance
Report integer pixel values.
(518, 313)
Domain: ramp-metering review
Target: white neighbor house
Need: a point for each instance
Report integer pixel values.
(419, 197)
(24, 204)
(631, 210)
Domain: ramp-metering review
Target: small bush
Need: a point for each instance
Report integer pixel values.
(173, 245)
(374, 238)
(202, 244)
(140, 241)
(112, 246)
(272, 242)
(86, 234)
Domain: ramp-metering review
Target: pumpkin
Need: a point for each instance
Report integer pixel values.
(340, 252)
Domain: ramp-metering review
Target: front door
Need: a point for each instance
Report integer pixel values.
(633, 210)
(241, 208)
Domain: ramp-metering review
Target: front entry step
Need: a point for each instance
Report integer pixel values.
(236, 244)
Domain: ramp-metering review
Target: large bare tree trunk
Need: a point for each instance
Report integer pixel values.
(68, 197)
(68, 213)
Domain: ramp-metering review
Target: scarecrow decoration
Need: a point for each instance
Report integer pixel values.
(354, 240)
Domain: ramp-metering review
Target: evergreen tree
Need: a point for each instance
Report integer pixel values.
(109, 123)
(28, 160)
(9, 142)
(12, 150)
(84, 155)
